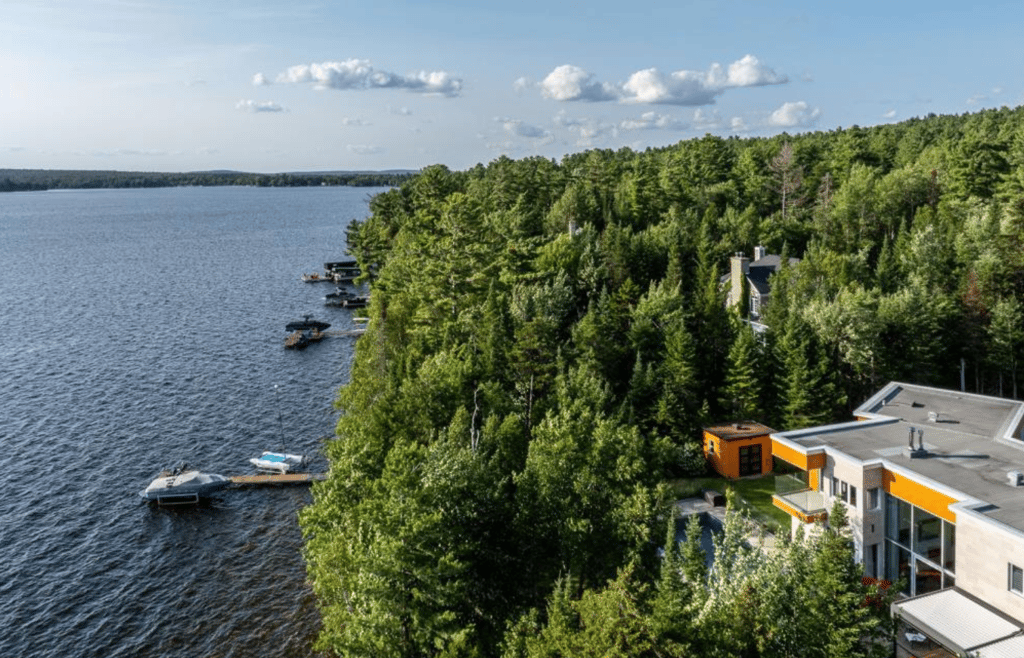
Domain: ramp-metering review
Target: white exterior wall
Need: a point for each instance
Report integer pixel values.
(867, 526)
(983, 551)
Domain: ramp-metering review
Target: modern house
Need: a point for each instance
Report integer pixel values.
(933, 487)
(748, 281)
(739, 449)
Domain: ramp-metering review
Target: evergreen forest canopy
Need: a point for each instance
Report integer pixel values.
(32, 180)
(548, 338)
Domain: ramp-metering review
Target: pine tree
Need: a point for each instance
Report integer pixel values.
(742, 394)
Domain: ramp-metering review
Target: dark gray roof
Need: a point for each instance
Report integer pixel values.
(763, 268)
(972, 442)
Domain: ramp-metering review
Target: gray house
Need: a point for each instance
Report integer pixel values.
(753, 277)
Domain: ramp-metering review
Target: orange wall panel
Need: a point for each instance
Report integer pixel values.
(796, 458)
(917, 494)
(725, 458)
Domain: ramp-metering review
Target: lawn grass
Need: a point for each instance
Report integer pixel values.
(754, 496)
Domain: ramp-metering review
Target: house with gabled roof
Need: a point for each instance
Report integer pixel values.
(748, 283)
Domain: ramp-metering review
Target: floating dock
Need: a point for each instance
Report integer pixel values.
(270, 479)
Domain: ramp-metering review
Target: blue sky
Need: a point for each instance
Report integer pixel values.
(186, 85)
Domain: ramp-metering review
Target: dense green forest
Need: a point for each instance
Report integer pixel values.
(547, 339)
(30, 180)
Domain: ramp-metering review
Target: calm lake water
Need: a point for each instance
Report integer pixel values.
(139, 328)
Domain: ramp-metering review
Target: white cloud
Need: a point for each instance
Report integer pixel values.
(706, 120)
(749, 72)
(653, 121)
(364, 149)
(400, 111)
(260, 80)
(258, 106)
(360, 74)
(891, 114)
(738, 125)
(588, 131)
(793, 115)
(571, 83)
(522, 84)
(348, 121)
(520, 129)
(651, 86)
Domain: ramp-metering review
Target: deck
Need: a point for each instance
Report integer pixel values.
(270, 479)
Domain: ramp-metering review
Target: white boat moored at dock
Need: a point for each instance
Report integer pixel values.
(182, 486)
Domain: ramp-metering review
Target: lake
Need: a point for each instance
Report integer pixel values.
(140, 328)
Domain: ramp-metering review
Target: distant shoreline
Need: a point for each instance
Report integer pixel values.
(38, 180)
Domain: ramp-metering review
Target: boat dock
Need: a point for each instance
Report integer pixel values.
(349, 332)
(270, 479)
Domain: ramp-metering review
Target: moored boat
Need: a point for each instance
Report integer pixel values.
(278, 462)
(183, 485)
(307, 323)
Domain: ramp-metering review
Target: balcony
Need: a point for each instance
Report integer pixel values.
(793, 496)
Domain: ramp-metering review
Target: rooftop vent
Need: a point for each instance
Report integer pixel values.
(1015, 478)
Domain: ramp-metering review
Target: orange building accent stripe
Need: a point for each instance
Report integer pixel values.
(798, 459)
(792, 511)
(917, 494)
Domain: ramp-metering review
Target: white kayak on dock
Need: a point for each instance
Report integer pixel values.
(278, 462)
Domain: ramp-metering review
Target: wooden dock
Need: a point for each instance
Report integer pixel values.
(349, 332)
(270, 479)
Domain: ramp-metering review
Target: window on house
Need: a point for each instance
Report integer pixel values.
(874, 498)
(1016, 579)
(853, 495)
(843, 491)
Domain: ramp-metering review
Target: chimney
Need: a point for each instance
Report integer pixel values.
(759, 252)
(739, 265)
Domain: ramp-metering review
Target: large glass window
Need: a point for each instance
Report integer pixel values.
(897, 565)
(948, 546)
(1016, 579)
(897, 520)
(927, 578)
(920, 547)
(927, 535)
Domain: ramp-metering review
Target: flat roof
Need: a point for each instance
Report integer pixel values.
(954, 618)
(739, 430)
(971, 441)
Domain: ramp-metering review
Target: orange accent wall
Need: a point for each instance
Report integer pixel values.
(798, 459)
(725, 458)
(814, 479)
(918, 494)
(792, 511)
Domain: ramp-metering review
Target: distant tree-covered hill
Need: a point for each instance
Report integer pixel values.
(23, 180)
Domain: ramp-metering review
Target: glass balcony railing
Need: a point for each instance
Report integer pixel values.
(806, 501)
(785, 484)
(796, 498)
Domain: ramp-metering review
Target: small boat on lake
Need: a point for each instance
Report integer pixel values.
(278, 462)
(183, 485)
(307, 323)
(315, 277)
(300, 339)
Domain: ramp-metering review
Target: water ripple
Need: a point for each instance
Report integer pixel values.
(142, 327)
